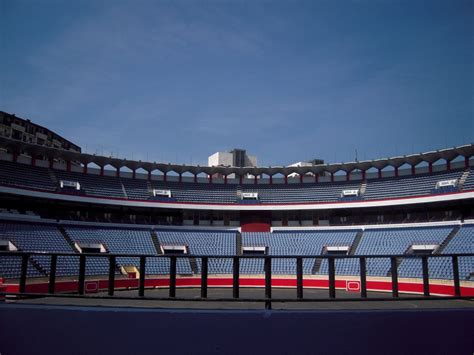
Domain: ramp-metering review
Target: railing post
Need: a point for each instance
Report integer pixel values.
(82, 273)
(52, 273)
(426, 277)
(141, 285)
(235, 283)
(24, 270)
(457, 285)
(268, 282)
(393, 262)
(112, 275)
(363, 277)
(332, 278)
(172, 276)
(299, 277)
(204, 271)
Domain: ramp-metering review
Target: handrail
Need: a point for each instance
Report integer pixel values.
(236, 274)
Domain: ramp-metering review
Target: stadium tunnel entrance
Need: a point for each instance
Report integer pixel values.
(255, 221)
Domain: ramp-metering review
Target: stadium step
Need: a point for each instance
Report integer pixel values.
(194, 265)
(356, 242)
(149, 187)
(363, 187)
(238, 243)
(156, 243)
(463, 179)
(68, 239)
(316, 266)
(445, 242)
(53, 177)
(38, 267)
(123, 190)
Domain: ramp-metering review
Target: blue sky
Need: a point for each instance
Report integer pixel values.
(175, 81)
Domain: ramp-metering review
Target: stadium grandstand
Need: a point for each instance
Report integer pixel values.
(236, 177)
(76, 225)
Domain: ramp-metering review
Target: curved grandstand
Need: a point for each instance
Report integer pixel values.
(54, 201)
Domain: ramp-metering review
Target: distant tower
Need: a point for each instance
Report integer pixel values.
(234, 158)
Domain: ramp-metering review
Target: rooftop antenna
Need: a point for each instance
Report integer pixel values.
(356, 155)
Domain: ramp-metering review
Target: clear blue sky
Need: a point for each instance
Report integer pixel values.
(176, 81)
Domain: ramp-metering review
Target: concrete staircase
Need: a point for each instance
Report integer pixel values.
(356, 242)
(463, 179)
(445, 242)
(68, 239)
(156, 242)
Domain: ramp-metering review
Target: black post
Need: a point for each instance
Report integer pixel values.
(332, 278)
(82, 273)
(111, 275)
(235, 284)
(426, 277)
(24, 270)
(204, 271)
(457, 285)
(363, 278)
(173, 276)
(141, 285)
(268, 282)
(393, 261)
(52, 273)
(299, 277)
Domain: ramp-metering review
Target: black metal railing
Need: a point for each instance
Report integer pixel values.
(331, 259)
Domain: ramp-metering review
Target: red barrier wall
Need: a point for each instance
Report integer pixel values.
(372, 285)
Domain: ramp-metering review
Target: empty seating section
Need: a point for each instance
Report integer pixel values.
(41, 237)
(21, 175)
(406, 186)
(10, 268)
(198, 192)
(94, 185)
(137, 189)
(202, 243)
(398, 241)
(463, 242)
(308, 192)
(123, 241)
(380, 241)
(292, 243)
(469, 183)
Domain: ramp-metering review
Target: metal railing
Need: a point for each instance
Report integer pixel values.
(331, 259)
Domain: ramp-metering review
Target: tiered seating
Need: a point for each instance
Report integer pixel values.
(94, 185)
(137, 189)
(292, 243)
(10, 268)
(21, 175)
(125, 241)
(203, 243)
(382, 241)
(308, 192)
(406, 186)
(463, 242)
(469, 183)
(396, 241)
(41, 237)
(198, 192)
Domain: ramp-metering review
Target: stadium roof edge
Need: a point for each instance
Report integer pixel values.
(448, 154)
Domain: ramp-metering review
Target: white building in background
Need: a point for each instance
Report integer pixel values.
(235, 158)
